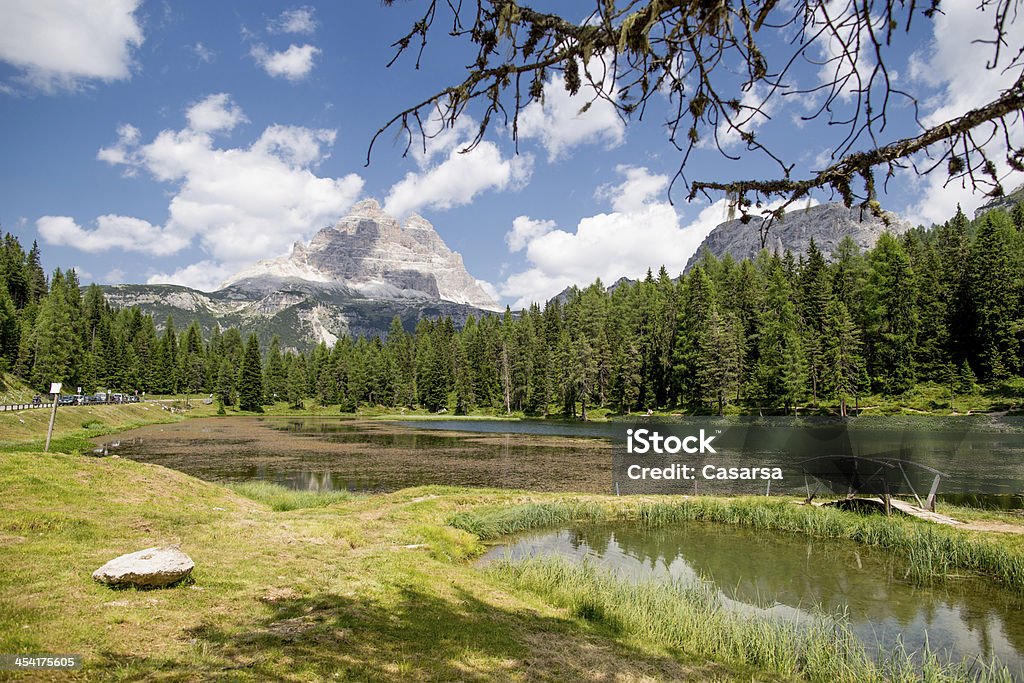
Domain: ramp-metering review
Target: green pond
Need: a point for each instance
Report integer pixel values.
(788, 576)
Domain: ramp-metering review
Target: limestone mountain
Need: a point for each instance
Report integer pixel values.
(826, 224)
(351, 279)
(369, 252)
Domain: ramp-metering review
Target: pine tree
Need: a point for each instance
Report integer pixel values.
(276, 376)
(296, 388)
(890, 317)
(841, 354)
(994, 298)
(720, 361)
(54, 343)
(226, 383)
(250, 379)
(694, 318)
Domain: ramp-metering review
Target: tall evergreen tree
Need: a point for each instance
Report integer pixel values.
(250, 378)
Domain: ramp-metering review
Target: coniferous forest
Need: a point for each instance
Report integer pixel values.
(943, 305)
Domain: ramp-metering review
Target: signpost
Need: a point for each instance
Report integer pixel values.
(55, 390)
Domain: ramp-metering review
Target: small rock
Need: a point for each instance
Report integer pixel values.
(149, 568)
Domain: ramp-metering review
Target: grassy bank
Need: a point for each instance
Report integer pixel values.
(694, 620)
(25, 430)
(932, 551)
(365, 588)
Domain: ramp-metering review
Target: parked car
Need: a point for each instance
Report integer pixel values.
(68, 400)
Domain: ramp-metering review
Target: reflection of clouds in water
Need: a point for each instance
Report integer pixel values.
(776, 576)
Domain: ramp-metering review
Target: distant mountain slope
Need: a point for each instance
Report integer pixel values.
(352, 279)
(827, 224)
(1006, 202)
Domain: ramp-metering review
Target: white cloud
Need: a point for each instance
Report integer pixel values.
(214, 113)
(557, 121)
(239, 204)
(127, 138)
(202, 53)
(643, 231)
(295, 63)
(62, 44)
(206, 276)
(955, 64)
(294, 21)
(458, 179)
(111, 232)
(525, 229)
(639, 189)
(114, 276)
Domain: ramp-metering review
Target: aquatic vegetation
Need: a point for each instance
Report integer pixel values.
(932, 551)
(690, 620)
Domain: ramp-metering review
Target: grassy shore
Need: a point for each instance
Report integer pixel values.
(299, 586)
(932, 551)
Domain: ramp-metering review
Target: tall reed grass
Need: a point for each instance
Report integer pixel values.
(932, 551)
(691, 621)
(282, 499)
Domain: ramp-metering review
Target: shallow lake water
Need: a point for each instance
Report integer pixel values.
(789, 576)
(363, 455)
(984, 464)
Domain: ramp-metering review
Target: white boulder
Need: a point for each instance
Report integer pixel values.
(149, 568)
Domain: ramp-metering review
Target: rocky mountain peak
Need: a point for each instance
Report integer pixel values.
(826, 224)
(369, 251)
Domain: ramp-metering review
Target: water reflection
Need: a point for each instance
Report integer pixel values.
(538, 455)
(791, 576)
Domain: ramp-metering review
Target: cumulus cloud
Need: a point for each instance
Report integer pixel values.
(294, 21)
(295, 63)
(559, 122)
(206, 276)
(642, 231)
(214, 113)
(458, 178)
(955, 65)
(63, 44)
(525, 229)
(238, 204)
(111, 232)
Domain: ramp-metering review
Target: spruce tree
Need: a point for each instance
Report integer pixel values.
(841, 354)
(250, 379)
(994, 299)
(54, 343)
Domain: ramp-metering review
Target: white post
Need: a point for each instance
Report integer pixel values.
(53, 416)
(55, 390)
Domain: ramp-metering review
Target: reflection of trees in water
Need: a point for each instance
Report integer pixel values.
(760, 568)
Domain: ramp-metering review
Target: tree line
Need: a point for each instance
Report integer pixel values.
(942, 305)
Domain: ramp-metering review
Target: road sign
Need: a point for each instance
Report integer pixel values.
(55, 387)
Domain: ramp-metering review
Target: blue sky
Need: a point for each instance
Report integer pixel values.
(151, 141)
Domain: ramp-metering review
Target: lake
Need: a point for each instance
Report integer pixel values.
(984, 461)
(790, 576)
